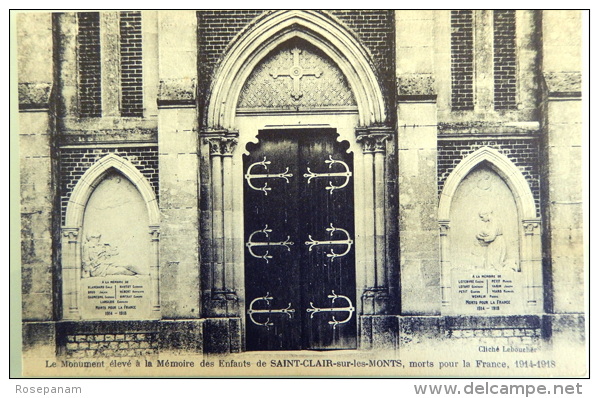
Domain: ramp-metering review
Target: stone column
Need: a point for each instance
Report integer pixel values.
(531, 265)
(375, 298)
(178, 165)
(223, 295)
(420, 271)
(155, 268)
(444, 226)
(561, 147)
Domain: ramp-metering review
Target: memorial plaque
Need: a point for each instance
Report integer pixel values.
(486, 292)
(115, 253)
(116, 297)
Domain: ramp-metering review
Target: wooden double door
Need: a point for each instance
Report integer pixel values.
(300, 282)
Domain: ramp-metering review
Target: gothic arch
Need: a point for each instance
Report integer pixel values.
(94, 175)
(72, 236)
(280, 26)
(529, 231)
(504, 167)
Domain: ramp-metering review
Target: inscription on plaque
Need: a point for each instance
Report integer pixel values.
(489, 293)
(116, 297)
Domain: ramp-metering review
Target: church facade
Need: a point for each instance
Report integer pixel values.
(242, 180)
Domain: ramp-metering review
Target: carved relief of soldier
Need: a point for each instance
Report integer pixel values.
(489, 236)
(98, 258)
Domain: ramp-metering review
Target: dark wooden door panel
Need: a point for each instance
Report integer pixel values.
(299, 231)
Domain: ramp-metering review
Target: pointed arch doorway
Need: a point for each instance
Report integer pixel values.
(296, 97)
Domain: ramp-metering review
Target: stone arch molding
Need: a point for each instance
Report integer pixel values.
(504, 167)
(317, 29)
(94, 175)
(71, 231)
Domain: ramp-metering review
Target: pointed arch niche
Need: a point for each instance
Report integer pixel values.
(110, 245)
(489, 226)
(231, 124)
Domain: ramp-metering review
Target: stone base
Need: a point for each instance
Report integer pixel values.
(390, 333)
(222, 335)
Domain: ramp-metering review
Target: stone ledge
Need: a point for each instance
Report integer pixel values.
(563, 84)
(177, 92)
(494, 322)
(34, 95)
(476, 128)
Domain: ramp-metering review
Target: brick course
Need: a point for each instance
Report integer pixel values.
(462, 60)
(504, 58)
(131, 64)
(75, 162)
(88, 39)
(523, 152)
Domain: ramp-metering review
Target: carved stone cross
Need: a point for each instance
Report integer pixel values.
(296, 72)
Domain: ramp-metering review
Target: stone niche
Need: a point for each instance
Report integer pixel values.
(115, 253)
(110, 238)
(490, 240)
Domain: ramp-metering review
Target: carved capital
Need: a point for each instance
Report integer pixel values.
(565, 84)
(374, 142)
(416, 86)
(71, 234)
(530, 225)
(222, 143)
(214, 143)
(228, 145)
(443, 227)
(155, 233)
(177, 92)
(34, 95)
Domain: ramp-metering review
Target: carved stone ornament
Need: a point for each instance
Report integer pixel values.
(177, 92)
(222, 146)
(296, 74)
(34, 95)
(374, 142)
(444, 227)
(530, 225)
(71, 234)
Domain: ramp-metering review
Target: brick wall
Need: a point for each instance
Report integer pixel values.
(131, 67)
(523, 152)
(216, 29)
(462, 60)
(376, 30)
(88, 39)
(75, 162)
(504, 58)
